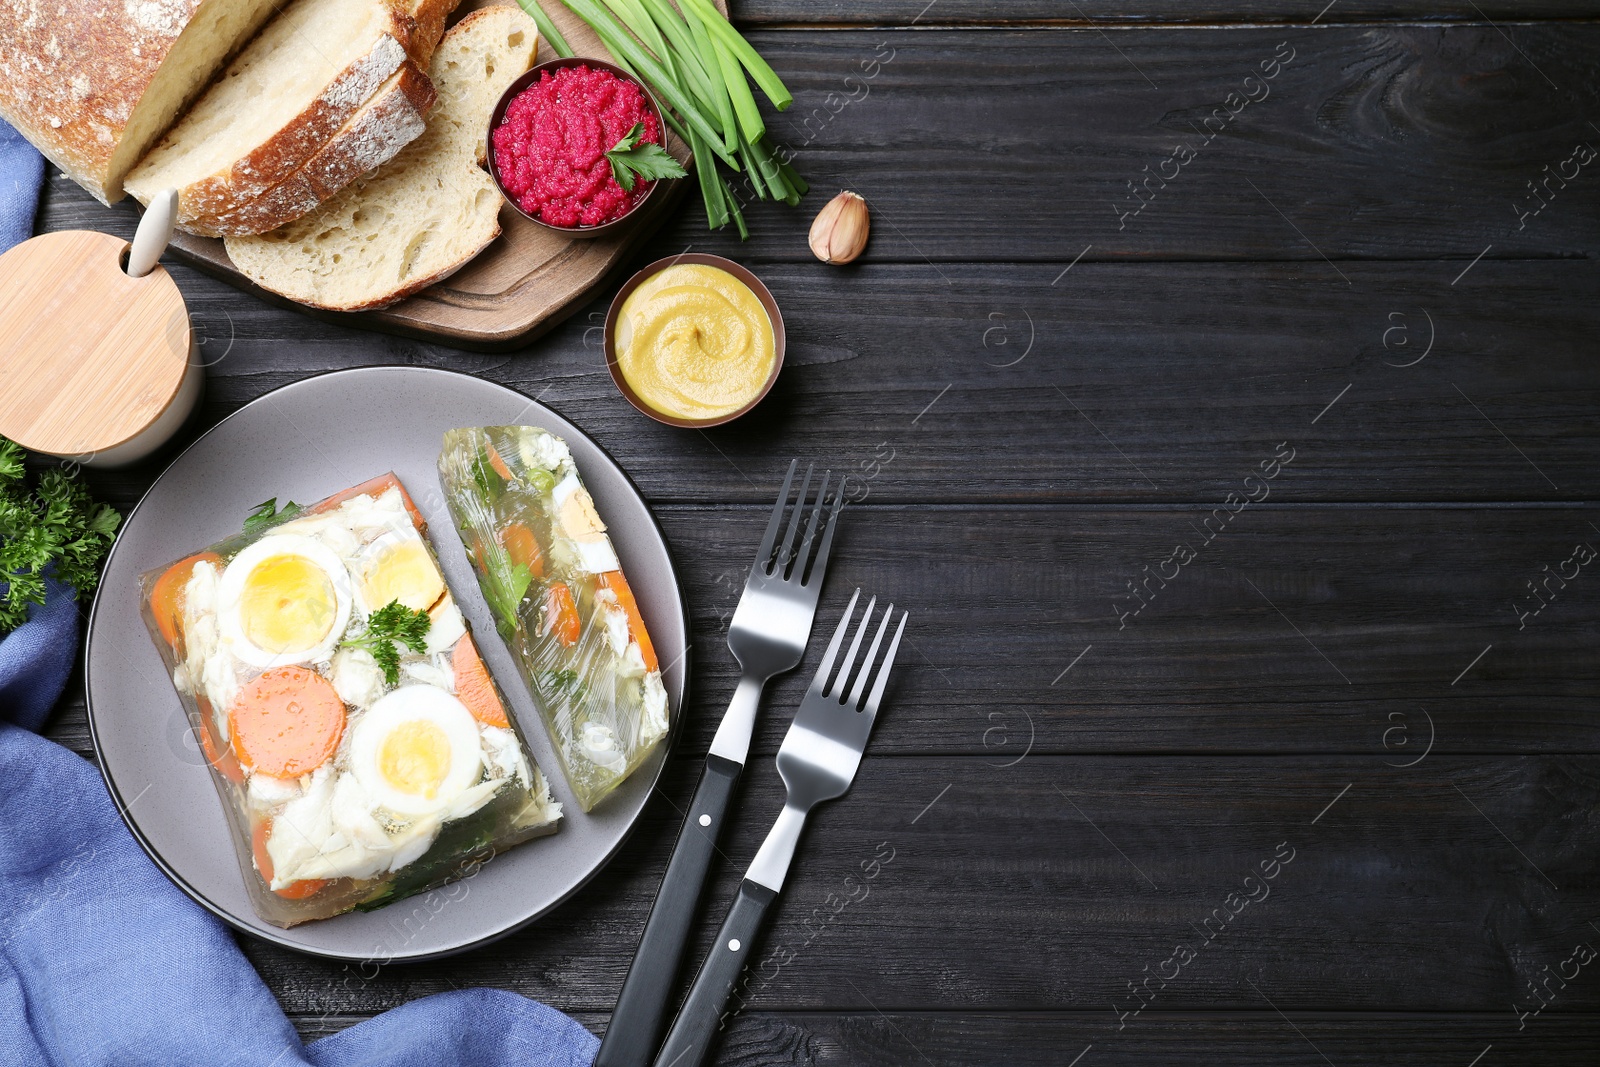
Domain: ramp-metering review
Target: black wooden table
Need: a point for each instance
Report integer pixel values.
(1222, 379)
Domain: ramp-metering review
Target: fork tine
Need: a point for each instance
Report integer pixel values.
(842, 680)
(811, 530)
(820, 566)
(883, 671)
(820, 682)
(764, 553)
(786, 550)
(872, 655)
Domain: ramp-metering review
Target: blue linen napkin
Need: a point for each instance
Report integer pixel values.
(21, 175)
(103, 961)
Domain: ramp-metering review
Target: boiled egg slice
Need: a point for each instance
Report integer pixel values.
(577, 518)
(397, 566)
(447, 626)
(416, 750)
(284, 600)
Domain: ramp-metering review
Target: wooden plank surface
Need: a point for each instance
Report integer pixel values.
(1373, 141)
(1143, 13)
(1391, 143)
(1135, 383)
(1072, 789)
(1051, 1039)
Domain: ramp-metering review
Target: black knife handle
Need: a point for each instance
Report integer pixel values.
(689, 1042)
(635, 1031)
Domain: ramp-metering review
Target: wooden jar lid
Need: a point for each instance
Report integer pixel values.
(89, 357)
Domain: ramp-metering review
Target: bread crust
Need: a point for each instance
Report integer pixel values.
(293, 285)
(392, 119)
(71, 76)
(429, 16)
(277, 181)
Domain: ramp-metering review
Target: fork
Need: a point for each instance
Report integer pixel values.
(768, 636)
(817, 762)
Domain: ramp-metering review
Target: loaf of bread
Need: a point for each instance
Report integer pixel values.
(421, 216)
(93, 83)
(328, 90)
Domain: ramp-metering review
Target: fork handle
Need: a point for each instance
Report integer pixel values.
(702, 1016)
(635, 1030)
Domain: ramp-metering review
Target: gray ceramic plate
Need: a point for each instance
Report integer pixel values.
(303, 442)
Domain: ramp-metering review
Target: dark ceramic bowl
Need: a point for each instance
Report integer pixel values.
(499, 114)
(739, 272)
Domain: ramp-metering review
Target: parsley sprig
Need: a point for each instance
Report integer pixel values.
(394, 622)
(54, 526)
(504, 584)
(267, 514)
(649, 161)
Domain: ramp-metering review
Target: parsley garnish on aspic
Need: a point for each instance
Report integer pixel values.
(649, 161)
(56, 525)
(267, 514)
(394, 622)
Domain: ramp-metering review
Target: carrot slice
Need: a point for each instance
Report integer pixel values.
(166, 596)
(614, 581)
(498, 464)
(474, 688)
(523, 548)
(375, 487)
(294, 890)
(561, 614)
(223, 759)
(286, 722)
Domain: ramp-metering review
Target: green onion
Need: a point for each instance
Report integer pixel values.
(715, 77)
(763, 74)
(621, 45)
(767, 167)
(691, 57)
(667, 21)
(733, 209)
(710, 185)
(791, 177)
(743, 103)
(547, 29)
(633, 16)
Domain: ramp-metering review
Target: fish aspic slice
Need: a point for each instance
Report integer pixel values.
(361, 749)
(559, 598)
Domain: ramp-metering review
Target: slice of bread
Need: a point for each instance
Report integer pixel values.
(394, 117)
(421, 216)
(93, 83)
(294, 93)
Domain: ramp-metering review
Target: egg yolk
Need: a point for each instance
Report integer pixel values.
(579, 519)
(415, 758)
(405, 573)
(287, 605)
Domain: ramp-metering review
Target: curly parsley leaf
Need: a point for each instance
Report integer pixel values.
(54, 527)
(267, 514)
(11, 469)
(648, 161)
(394, 622)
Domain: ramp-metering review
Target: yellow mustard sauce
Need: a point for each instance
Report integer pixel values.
(694, 342)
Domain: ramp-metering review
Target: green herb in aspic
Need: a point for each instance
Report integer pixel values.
(267, 514)
(394, 622)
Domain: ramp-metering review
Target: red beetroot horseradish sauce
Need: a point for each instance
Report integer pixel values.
(550, 149)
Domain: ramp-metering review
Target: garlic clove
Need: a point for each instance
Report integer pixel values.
(839, 233)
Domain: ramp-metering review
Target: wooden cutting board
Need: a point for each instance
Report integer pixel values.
(524, 283)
